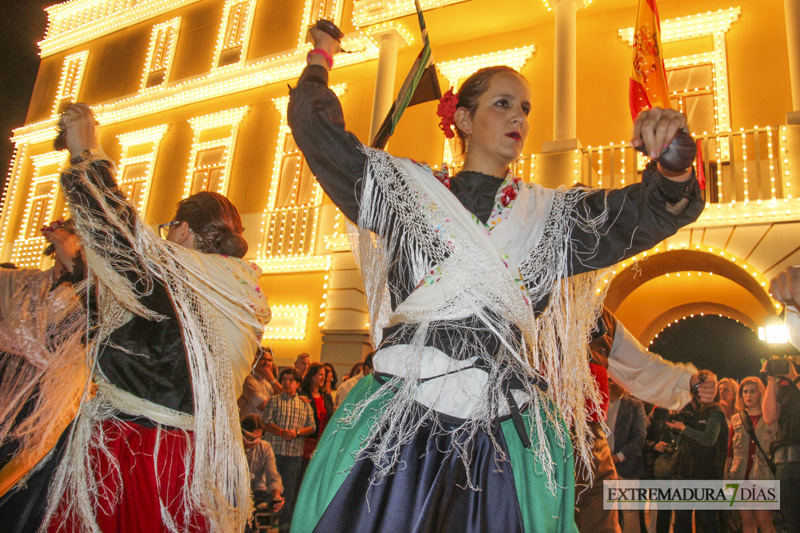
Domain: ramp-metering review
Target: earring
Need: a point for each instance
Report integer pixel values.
(466, 144)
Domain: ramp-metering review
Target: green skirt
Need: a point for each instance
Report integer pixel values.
(539, 508)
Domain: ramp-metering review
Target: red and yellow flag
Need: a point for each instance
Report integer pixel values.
(648, 85)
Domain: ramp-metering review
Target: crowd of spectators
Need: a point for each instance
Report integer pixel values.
(282, 420)
(724, 436)
(729, 436)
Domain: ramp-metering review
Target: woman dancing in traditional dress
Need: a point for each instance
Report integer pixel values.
(159, 447)
(43, 368)
(480, 368)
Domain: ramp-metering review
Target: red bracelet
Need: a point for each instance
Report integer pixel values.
(323, 53)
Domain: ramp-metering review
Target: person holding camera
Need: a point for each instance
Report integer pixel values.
(702, 449)
(616, 353)
(781, 405)
(781, 402)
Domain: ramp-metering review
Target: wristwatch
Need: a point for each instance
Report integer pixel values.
(80, 158)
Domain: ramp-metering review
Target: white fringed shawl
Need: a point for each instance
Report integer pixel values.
(42, 367)
(496, 278)
(222, 313)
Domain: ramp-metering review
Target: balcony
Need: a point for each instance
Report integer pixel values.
(740, 167)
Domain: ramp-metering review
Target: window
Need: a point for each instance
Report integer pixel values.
(71, 78)
(293, 207)
(209, 169)
(139, 152)
(700, 80)
(40, 209)
(320, 9)
(162, 50)
(211, 155)
(234, 32)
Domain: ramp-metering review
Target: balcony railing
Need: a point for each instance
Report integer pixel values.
(739, 166)
(290, 231)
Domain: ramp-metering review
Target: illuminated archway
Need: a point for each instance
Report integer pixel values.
(661, 286)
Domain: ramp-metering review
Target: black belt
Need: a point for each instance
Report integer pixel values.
(509, 384)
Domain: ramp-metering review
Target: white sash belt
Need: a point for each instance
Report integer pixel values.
(132, 405)
(451, 387)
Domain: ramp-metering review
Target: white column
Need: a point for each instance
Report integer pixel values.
(384, 80)
(566, 64)
(792, 14)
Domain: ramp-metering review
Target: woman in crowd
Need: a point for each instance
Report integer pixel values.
(702, 446)
(480, 366)
(748, 447)
(355, 371)
(177, 320)
(728, 397)
(331, 379)
(321, 403)
(43, 368)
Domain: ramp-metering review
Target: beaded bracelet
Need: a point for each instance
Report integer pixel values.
(323, 53)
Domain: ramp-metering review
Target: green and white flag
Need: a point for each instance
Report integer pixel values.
(421, 85)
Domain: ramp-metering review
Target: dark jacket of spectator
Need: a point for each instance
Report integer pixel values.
(630, 430)
(703, 445)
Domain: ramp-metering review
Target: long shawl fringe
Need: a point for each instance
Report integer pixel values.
(552, 347)
(219, 488)
(43, 368)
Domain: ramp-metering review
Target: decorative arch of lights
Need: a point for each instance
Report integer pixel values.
(678, 315)
(745, 268)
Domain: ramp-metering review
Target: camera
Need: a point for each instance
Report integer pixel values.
(780, 365)
(60, 142)
(686, 417)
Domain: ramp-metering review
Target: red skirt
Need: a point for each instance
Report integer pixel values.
(144, 483)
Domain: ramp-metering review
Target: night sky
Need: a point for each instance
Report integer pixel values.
(22, 25)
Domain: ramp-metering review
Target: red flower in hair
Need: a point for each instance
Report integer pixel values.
(446, 111)
(57, 224)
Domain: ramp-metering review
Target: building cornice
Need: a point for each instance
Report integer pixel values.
(76, 22)
(218, 82)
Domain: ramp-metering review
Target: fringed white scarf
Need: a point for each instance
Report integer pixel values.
(43, 365)
(496, 278)
(221, 312)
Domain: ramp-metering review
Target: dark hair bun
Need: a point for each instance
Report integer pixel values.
(231, 244)
(216, 223)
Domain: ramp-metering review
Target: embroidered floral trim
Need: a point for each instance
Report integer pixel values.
(507, 195)
(443, 175)
(504, 199)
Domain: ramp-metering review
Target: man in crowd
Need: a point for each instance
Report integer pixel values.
(288, 421)
(781, 402)
(265, 480)
(301, 364)
(259, 385)
(617, 353)
(627, 427)
(345, 388)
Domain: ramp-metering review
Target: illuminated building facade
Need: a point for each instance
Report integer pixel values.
(192, 95)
